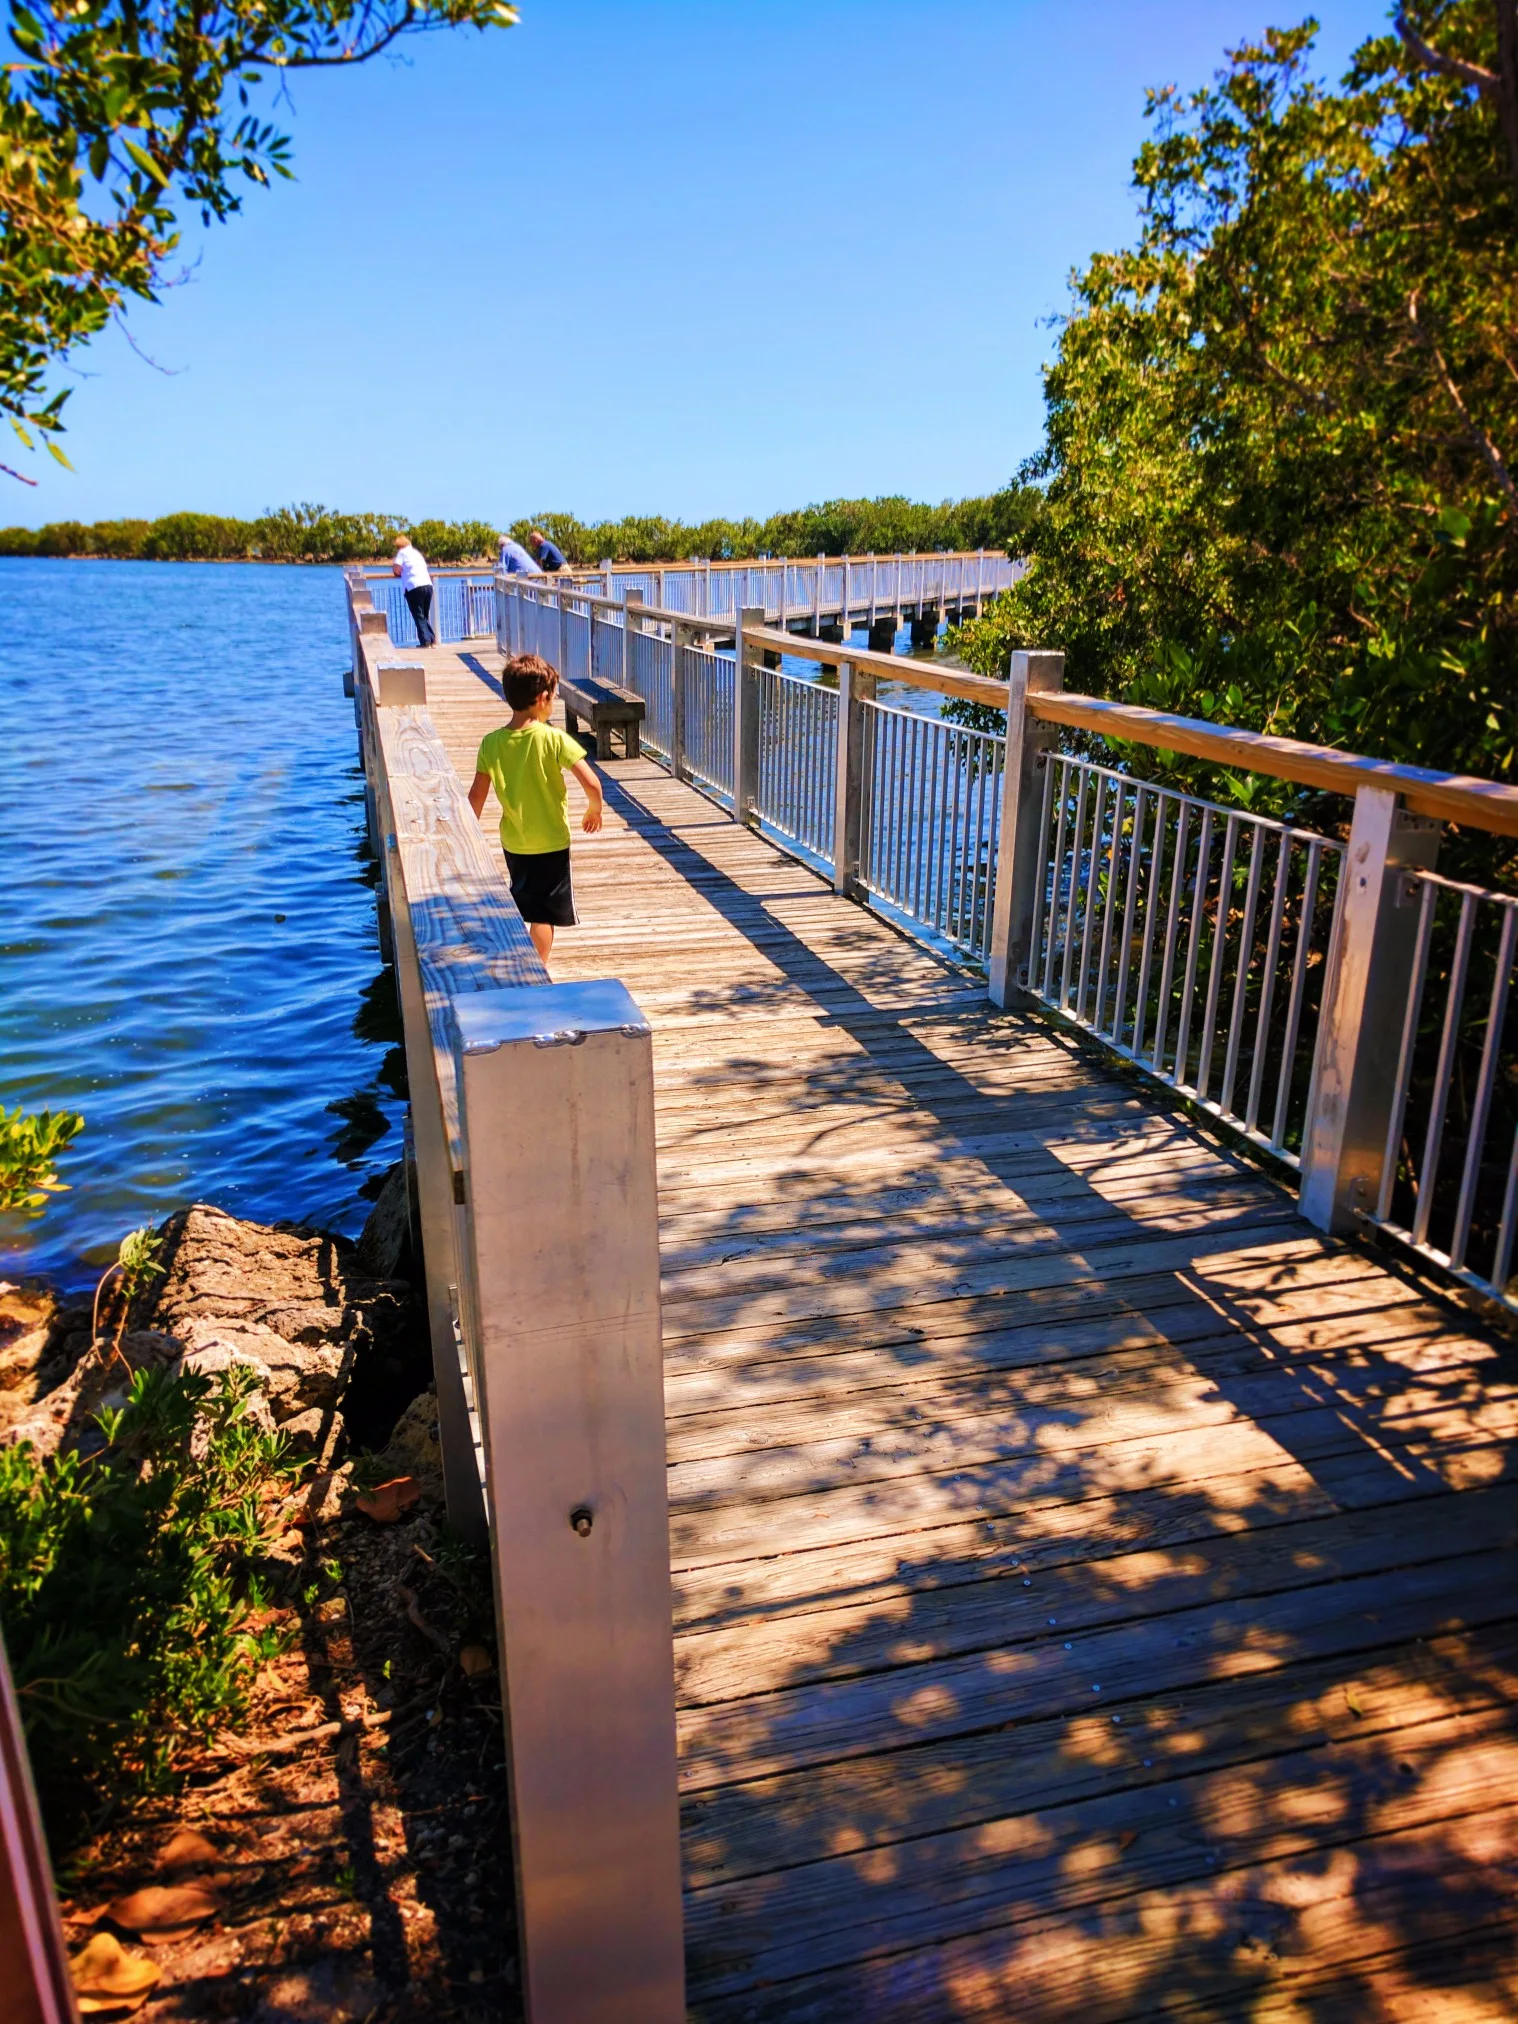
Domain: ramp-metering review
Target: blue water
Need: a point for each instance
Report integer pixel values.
(187, 945)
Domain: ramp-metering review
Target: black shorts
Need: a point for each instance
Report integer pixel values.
(541, 888)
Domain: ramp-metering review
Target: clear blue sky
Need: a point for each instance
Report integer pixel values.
(681, 256)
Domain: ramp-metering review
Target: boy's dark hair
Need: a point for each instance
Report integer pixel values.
(527, 677)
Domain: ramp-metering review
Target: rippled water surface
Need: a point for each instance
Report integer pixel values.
(187, 949)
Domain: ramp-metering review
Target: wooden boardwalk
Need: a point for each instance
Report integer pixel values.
(1096, 1594)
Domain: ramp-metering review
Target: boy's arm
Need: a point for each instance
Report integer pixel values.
(590, 821)
(478, 789)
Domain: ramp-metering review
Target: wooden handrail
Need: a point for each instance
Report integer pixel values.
(892, 667)
(1449, 797)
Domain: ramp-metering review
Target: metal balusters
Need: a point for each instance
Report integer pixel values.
(1172, 926)
(1502, 1264)
(1485, 1080)
(1241, 981)
(1125, 956)
(1089, 909)
(1298, 991)
(1041, 899)
(1114, 852)
(1063, 791)
(1219, 943)
(1151, 915)
(1443, 1075)
(1077, 841)
(1268, 982)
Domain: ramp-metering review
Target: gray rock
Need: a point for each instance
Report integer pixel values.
(384, 1248)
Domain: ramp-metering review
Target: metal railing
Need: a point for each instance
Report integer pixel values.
(1449, 1172)
(930, 822)
(463, 606)
(1363, 1032)
(1189, 937)
(798, 746)
(866, 586)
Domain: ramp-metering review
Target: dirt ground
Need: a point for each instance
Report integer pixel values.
(359, 1821)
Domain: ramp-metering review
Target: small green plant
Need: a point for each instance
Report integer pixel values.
(136, 1263)
(29, 1148)
(129, 1590)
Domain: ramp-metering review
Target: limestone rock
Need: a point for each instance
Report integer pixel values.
(294, 1305)
(384, 1248)
(413, 1448)
(27, 1315)
(294, 1376)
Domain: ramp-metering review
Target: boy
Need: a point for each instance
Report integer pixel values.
(525, 761)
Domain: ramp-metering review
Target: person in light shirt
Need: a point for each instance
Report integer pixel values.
(514, 560)
(416, 584)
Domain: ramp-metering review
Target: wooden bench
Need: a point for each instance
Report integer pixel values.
(607, 709)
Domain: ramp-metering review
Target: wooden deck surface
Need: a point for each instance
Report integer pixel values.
(1096, 1595)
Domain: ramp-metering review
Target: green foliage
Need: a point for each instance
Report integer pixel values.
(115, 117)
(127, 1585)
(29, 1149)
(455, 540)
(1277, 472)
(841, 527)
(318, 534)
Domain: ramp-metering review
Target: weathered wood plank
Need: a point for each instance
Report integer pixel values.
(950, 1310)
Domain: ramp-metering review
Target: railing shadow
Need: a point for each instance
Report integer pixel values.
(1075, 1615)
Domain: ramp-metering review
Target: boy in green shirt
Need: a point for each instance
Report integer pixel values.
(525, 761)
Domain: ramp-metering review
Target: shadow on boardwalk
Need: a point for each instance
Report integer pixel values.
(1095, 1595)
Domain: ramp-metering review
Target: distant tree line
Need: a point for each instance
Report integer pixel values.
(316, 534)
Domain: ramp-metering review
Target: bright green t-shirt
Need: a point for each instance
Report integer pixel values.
(526, 769)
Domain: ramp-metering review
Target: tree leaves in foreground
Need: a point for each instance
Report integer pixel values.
(115, 116)
(29, 1149)
(1281, 428)
(128, 1593)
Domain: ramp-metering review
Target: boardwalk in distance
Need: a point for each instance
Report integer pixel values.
(1095, 1592)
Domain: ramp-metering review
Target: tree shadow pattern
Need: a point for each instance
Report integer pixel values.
(1093, 1591)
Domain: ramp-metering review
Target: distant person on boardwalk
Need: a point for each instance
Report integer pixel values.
(416, 583)
(549, 557)
(514, 559)
(525, 761)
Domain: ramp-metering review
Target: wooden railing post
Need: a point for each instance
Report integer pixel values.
(678, 640)
(1370, 963)
(745, 720)
(856, 687)
(1019, 849)
(561, 1232)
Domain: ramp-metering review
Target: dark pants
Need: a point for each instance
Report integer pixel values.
(420, 602)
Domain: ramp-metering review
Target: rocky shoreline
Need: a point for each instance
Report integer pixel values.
(351, 1840)
(329, 1328)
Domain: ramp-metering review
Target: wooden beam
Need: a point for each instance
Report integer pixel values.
(886, 667)
(1448, 797)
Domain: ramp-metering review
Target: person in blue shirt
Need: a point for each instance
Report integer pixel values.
(514, 559)
(549, 557)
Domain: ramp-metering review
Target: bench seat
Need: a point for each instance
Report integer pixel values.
(608, 710)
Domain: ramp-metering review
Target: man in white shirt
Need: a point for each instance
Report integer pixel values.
(416, 584)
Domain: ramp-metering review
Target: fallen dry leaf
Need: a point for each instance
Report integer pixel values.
(1355, 1704)
(159, 1913)
(388, 1501)
(475, 1661)
(187, 1853)
(1126, 1839)
(107, 1977)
